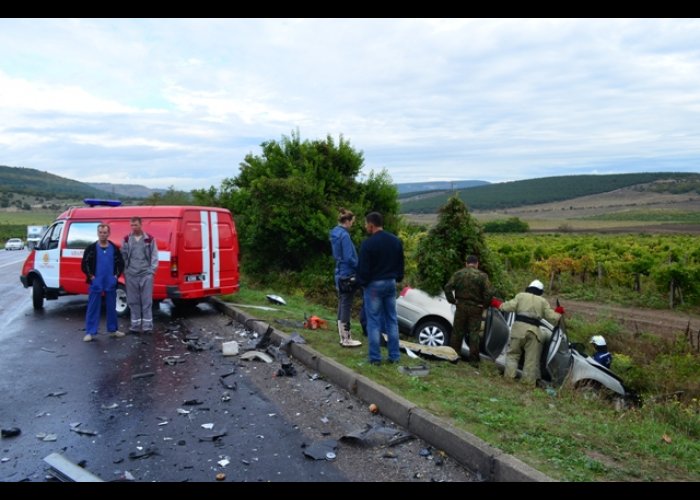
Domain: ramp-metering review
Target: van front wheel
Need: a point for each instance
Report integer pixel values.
(38, 294)
(122, 307)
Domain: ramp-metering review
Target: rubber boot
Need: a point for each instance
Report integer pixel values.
(349, 342)
(341, 332)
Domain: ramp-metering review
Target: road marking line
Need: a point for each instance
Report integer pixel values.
(13, 263)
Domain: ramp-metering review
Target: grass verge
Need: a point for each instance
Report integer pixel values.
(570, 435)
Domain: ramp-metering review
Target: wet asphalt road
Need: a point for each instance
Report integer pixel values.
(118, 409)
(122, 391)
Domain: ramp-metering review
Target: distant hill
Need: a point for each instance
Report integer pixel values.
(29, 181)
(547, 189)
(128, 190)
(416, 187)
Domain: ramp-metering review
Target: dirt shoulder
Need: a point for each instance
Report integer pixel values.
(657, 321)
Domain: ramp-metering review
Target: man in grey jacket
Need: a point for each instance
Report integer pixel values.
(140, 254)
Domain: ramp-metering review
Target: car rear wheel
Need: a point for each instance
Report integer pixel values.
(122, 306)
(432, 332)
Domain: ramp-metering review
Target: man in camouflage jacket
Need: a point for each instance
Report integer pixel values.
(470, 289)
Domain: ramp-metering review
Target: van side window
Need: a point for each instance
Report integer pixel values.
(81, 234)
(51, 237)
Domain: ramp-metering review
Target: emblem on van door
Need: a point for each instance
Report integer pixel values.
(45, 258)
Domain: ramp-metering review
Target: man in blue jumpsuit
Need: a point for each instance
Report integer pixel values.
(102, 264)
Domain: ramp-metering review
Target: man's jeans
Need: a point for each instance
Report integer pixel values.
(380, 308)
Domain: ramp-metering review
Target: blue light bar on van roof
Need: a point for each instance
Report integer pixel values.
(95, 202)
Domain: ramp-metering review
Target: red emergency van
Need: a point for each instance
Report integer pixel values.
(197, 252)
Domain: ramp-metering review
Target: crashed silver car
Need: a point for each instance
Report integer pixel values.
(429, 319)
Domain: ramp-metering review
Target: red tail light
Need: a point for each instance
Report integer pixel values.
(173, 267)
(404, 291)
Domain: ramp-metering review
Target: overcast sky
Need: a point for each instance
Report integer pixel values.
(181, 102)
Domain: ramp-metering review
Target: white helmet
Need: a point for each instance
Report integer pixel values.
(536, 284)
(598, 340)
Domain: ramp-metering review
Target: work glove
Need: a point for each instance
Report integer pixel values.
(559, 310)
(496, 302)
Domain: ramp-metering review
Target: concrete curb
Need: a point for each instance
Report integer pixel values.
(487, 462)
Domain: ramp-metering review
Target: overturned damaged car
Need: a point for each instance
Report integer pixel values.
(430, 320)
(561, 362)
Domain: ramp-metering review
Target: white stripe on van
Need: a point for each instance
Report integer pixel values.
(73, 252)
(215, 248)
(163, 255)
(206, 263)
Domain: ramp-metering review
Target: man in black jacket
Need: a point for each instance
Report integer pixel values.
(102, 264)
(380, 267)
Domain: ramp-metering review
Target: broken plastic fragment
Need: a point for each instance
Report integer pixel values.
(110, 407)
(192, 402)
(143, 453)
(65, 470)
(320, 449)
(56, 394)
(256, 355)
(276, 299)
(11, 432)
(229, 348)
(224, 462)
(213, 437)
(372, 436)
(173, 360)
(208, 426)
(287, 370)
(83, 432)
(415, 371)
(411, 354)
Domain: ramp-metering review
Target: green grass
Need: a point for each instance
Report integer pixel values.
(571, 436)
(32, 217)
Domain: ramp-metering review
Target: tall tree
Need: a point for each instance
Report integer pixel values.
(286, 199)
(446, 246)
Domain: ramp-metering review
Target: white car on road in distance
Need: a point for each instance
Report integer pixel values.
(14, 244)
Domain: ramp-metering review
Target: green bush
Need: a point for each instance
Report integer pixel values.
(511, 225)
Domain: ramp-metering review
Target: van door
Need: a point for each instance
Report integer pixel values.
(78, 236)
(207, 249)
(207, 257)
(48, 255)
(211, 251)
